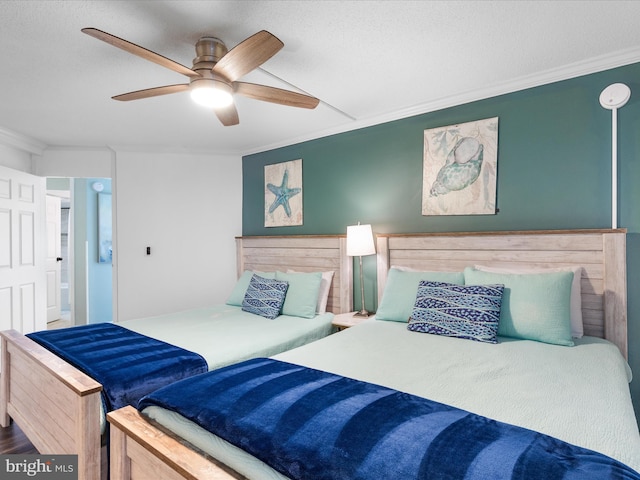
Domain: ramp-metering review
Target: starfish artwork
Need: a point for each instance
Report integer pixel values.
(283, 193)
(283, 188)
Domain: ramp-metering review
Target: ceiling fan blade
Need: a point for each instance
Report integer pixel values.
(140, 51)
(152, 92)
(248, 55)
(228, 116)
(275, 95)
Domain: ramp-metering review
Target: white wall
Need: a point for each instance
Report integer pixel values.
(15, 158)
(75, 162)
(188, 209)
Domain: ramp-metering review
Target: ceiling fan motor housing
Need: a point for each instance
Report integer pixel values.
(209, 50)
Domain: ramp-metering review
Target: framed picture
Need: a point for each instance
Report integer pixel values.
(460, 169)
(105, 252)
(283, 194)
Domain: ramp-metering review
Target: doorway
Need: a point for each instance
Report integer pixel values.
(57, 258)
(65, 292)
(84, 291)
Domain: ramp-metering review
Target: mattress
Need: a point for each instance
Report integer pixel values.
(225, 334)
(578, 394)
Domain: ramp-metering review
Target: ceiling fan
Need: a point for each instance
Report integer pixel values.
(214, 74)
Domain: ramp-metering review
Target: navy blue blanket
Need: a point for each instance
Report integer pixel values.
(127, 364)
(309, 424)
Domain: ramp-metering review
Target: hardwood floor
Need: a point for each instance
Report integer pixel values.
(13, 441)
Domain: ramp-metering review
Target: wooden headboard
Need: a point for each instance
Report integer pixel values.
(601, 253)
(304, 253)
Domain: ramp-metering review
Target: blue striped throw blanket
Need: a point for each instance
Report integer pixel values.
(127, 364)
(310, 424)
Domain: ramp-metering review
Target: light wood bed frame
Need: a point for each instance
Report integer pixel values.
(58, 407)
(143, 451)
(601, 253)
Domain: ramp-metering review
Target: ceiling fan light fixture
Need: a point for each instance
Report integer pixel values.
(214, 74)
(211, 93)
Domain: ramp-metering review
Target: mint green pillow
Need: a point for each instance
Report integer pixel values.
(237, 294)
(302, 295)
(535, 306)
(401, 288)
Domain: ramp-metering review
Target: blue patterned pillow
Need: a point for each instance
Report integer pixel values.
(462, 311)
(264, 296)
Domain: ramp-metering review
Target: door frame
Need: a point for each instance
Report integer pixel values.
(53, 233)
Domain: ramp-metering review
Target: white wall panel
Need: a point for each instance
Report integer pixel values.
(6, 308)
(5, 238)
(5, 188)
(52, 289)
(27, 308)
(27, 238)
(25, 193)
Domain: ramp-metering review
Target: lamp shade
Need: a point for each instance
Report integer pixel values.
(360, 241)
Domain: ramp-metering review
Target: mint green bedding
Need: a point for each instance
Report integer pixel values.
(225, 334)
(579, 394)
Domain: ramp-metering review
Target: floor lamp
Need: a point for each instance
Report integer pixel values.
(359, 244)
(612, 98)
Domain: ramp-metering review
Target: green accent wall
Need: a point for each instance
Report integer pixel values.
(554, 172)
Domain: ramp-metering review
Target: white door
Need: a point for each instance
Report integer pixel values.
(54, 259)
(22, 251)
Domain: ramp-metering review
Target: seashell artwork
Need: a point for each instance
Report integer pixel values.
(459, 169)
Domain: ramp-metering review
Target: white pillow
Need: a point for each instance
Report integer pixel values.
(325, 289)
(577, 329)
(404, 269)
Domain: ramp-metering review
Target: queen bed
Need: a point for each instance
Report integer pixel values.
(60, 408)
(560, 388)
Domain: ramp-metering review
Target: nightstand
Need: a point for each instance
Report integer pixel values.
(346, 320)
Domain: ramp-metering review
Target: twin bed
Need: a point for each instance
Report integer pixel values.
(536, 392)
(59, 407)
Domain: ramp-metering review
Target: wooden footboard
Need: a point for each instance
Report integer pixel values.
(141, 451)
(53, 403)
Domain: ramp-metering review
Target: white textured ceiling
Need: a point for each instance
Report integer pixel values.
(367, 61)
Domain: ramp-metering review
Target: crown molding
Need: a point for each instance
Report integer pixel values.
(566, 72)
(175, 150)
(21, 142)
